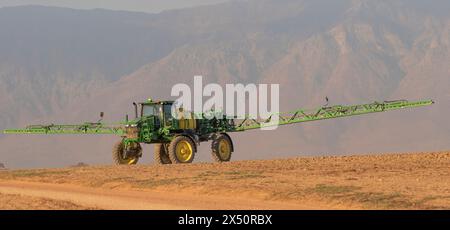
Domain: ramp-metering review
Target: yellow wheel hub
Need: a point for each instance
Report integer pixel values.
(128, 160)
(224, 149)
(131, 161)
(184, 151)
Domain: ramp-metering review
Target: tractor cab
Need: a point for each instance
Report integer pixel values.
(161, 111)
(154, 121)
(161, 114)
(152, 117)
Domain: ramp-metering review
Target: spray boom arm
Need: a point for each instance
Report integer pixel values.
(330, 113)
(298, 116)
(86, 128)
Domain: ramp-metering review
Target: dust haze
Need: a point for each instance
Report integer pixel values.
(62, 65)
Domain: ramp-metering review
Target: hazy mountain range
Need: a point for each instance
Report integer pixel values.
(64, 65)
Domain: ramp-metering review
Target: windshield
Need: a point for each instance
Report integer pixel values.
(148, 110)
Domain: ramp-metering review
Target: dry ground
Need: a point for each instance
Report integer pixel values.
(388, 181)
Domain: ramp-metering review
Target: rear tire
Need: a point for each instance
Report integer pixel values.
(181, 150)
(161, 157)
(119, 153)
(221, 148)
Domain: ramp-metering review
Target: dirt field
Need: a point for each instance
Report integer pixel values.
(389, 181)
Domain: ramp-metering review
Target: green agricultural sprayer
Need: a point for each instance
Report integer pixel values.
(176, 139)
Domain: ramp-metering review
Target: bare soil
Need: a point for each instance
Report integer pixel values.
(383, 181)
(20, 202)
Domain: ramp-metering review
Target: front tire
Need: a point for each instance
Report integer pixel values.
(120, 156)
(181, 150)
(221, 148)
(161, 157)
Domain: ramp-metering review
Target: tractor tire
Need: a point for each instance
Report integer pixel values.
(181, 150)
(119, 152)
(161, 157)
(221, 148)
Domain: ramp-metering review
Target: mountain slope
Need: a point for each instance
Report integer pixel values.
(50, 57)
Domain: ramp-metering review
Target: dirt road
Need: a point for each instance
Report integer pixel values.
(71, 196)
(390, 181)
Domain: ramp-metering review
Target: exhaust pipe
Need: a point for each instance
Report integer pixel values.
(135, 110)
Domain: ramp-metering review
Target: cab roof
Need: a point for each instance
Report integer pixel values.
(152, 102)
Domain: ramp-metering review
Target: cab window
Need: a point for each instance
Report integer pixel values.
(168, 114)
(151, 110)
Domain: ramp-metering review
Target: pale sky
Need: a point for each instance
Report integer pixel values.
(152, 6)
